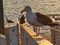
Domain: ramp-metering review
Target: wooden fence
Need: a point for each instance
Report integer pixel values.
(55, 36)
(29, 38)
(28, 35)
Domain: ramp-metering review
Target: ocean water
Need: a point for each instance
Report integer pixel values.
(12, 8)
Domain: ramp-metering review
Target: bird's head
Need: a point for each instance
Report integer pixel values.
(27, 9)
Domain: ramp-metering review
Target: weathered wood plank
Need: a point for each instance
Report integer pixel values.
(32, 39)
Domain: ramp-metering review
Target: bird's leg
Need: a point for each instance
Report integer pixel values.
(37, 31)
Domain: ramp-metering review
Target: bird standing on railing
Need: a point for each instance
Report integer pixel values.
(37, 19)
(9, 21)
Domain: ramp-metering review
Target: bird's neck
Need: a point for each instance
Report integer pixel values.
(28, 13)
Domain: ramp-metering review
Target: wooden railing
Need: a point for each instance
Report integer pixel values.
(56, 16)
(29, 37)
(55, 36)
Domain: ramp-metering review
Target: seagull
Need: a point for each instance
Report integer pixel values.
(38, 19)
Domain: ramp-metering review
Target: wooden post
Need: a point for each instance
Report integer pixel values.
(53, 36)
(12, 35)
(1, 18)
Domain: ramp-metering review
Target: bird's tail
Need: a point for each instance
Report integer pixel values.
(53, 24)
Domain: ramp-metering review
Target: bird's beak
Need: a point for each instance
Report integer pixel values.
(22, 11)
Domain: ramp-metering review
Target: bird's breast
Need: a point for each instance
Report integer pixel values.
(30, 19)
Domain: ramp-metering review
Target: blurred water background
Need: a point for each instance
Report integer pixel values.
(12, 8)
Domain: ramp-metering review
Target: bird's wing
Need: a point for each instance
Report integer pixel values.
(44, 19)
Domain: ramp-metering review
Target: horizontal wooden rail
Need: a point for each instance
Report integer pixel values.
(56, 16)
(29, 38)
